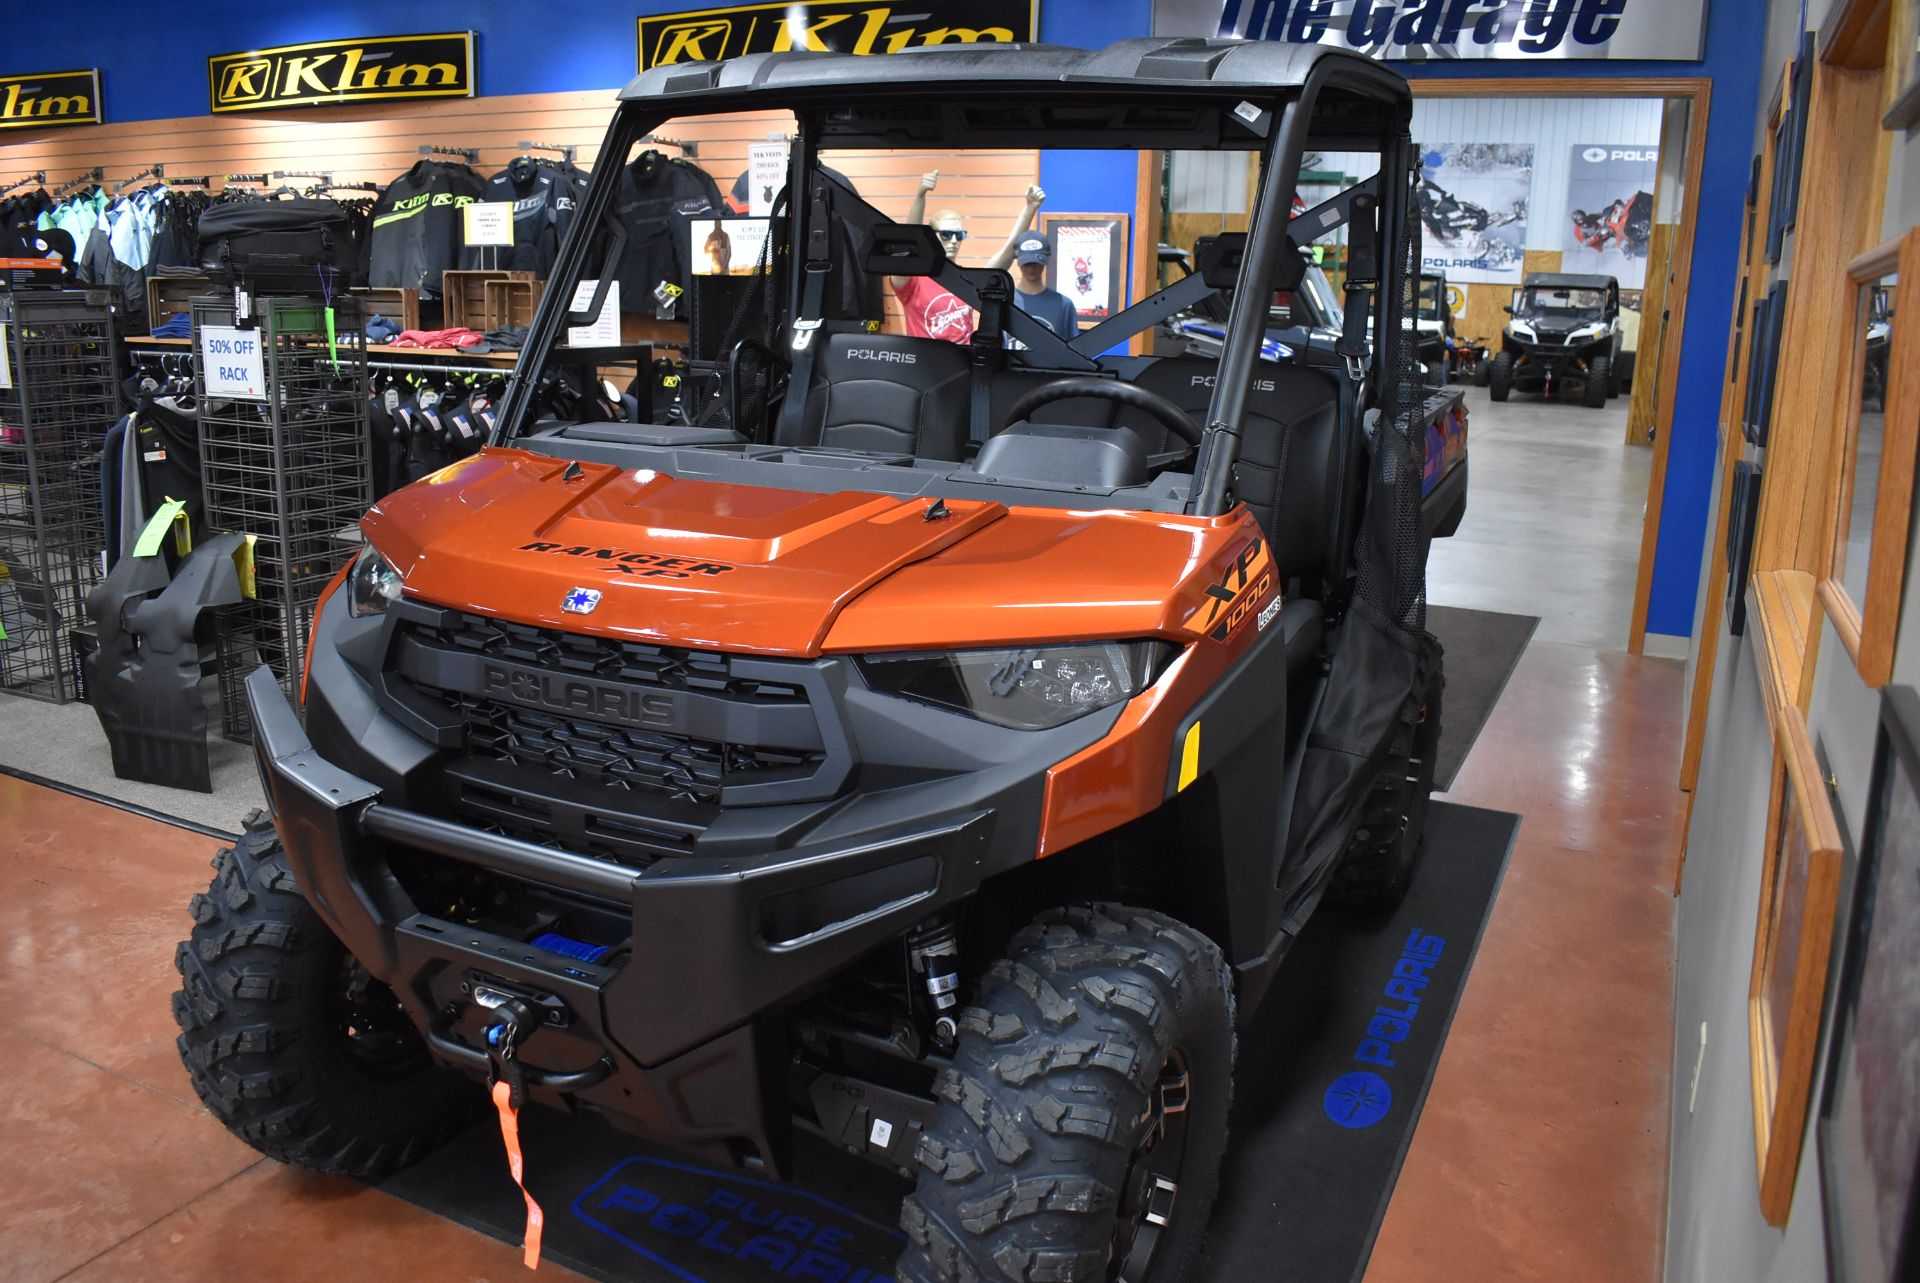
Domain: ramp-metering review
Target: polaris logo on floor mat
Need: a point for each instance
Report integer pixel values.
(1362, 1097)
(700, 1224)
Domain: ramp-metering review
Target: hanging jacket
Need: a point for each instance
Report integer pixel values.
(416, 232)
(659, 199)
(543, 197)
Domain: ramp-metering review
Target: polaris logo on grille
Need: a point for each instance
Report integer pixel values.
(595, 701)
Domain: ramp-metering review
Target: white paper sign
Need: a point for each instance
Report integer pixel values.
(6, 371)
(766, 175)
(232, 363)
(489, 222)
(605, 330)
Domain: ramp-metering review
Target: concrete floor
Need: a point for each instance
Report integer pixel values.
(1554, 506)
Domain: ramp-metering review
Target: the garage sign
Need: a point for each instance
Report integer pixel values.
(1421, 30)
(837, 26)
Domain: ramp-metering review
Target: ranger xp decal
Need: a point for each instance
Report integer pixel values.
(1231, 601)
(646, 565)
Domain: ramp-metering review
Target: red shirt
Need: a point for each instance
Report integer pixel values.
(933, 311)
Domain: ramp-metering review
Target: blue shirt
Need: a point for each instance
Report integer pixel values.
(1052, 309)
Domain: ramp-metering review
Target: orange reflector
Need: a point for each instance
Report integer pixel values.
(510, 1133)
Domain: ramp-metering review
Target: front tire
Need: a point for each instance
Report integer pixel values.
(287, 1039)
(1082, 1122)
(1500, 377)
(1599, 381)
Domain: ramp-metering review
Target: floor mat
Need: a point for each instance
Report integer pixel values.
(1333, 1074)
(1482, 648)
(1332, 1077)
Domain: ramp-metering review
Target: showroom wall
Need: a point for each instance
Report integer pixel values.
(1715, 1228)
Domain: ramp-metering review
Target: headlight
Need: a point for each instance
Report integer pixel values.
(1586, 332)
(1521, 330)
(373, 586)
(1029, 689)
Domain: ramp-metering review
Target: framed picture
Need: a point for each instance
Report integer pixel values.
(1789, 146)
(1905, 48)
(1871, 503)
(1089, 263)
(1868, 1134)
(1799, 895)
(1767, 364)
(1756, 371)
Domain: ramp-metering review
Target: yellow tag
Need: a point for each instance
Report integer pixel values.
(170, 512)
(1190, 757)
(243, 565)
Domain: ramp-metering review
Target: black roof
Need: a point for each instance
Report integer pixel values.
(1214, 68)
(1570, 281)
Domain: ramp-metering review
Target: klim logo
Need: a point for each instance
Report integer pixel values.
(50, 98)
(335, 71)
(836, 26)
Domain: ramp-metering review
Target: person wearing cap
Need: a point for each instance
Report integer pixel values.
(1051, 308)
(933, 311)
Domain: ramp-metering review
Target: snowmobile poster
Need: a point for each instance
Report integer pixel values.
(1610, 211)
(1089, 263)
(1474, 199)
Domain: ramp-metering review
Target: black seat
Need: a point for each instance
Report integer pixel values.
(887, 394)
(1298, 471)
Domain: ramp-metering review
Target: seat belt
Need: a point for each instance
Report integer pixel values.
(806, 325)
(996, 294)
(1363, 281)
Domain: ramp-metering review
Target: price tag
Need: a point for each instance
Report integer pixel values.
(232, 363)
(766, 175)
(489, 222)
(605, 329)
(6, 370)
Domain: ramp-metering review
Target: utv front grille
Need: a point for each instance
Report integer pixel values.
(544, 741)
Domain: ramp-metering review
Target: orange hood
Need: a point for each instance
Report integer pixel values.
(748, 568)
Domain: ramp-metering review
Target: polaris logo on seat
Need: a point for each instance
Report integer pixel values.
(1208, 380)
(882, 354)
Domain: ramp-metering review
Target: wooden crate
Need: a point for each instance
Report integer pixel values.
(400, 305)
(508, 304)
(167, 295)
(464, 294)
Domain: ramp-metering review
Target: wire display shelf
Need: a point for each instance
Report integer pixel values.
(294, 471)
(56, 403)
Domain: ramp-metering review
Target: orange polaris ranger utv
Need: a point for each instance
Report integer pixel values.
(935, 747)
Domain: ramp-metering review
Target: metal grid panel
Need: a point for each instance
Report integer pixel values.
(60, 353)
(294, 471)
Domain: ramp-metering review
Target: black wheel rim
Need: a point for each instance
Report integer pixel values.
(369, 1025)
(1151, 1188)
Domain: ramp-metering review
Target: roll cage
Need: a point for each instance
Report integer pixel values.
(1169, 93)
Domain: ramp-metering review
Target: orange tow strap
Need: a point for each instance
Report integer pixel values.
(510, 1133)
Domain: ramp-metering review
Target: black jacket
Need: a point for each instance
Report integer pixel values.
(659, 198)
(416, 232)
(543, 197)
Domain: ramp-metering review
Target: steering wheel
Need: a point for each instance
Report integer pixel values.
(1169, 415)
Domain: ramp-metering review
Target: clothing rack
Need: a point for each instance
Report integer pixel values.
(37, 178)
(377, 363)
(202, 181)
(324, 175)
(690, 150)
(472, 154)
(250, 180)
(567, 150)
(91, 176)
(151, 171)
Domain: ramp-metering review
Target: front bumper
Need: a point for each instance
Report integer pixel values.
(683, 1040)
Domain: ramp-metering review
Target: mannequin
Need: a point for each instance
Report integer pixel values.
(935, 312)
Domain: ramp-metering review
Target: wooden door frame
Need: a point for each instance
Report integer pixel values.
(1697, 92)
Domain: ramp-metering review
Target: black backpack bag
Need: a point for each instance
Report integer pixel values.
(301, 245)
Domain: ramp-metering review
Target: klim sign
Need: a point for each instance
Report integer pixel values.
(1419, 30)
(374, 68)
(839, 26)
(50, 98)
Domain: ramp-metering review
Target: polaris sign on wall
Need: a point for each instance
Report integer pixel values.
(1610, 211)
(1417, 30)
